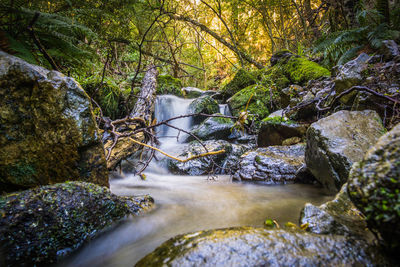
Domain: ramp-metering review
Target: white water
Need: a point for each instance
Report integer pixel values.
(188, 203)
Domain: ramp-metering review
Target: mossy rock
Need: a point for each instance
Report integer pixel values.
(247, 246)
(204, 104)
(300, 70)
(374, 187)
(242, 79)
(260, 99)
(39, 226)
(168, 85)
(47, 129)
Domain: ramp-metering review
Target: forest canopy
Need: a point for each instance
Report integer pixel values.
(106, 45)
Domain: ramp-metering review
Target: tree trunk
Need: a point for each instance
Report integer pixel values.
(121, 148)
(144, 107)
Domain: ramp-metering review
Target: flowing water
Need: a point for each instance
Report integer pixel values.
(188, 203)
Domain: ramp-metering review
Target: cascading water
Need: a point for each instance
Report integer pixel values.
(188, 203)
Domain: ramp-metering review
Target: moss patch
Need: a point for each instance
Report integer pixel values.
(168, 85)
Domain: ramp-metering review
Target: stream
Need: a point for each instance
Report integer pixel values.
(188, 203)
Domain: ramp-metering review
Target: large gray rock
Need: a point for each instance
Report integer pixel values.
(204, 104)
(374, 187)
(41, 225)
(273, 131)
(350, 74)
(338, 216)
(273, 165)
(334, 143)
(48, 132)
(203, 166)
(262, 247)
(389, 49)
(213, 128)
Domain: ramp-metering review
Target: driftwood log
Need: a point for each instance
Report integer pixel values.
(120, 145)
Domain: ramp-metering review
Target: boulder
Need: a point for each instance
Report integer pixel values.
(204, 104)
(255, 97)
(261, 247)
(374, 187)
(334, 143)
(272, 165)
(48, 132)
(389, 50)
(41, 225)
(217, 128)
(274, 131)
(203, 166)
(338, 216)
(350, 74)
(192, 92)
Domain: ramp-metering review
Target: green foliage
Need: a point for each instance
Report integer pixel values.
(342, 46)
(300, 70)
(108, 94)
(168, 85)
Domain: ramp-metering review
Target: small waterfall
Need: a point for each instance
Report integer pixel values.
(169, 106)
(224, 110)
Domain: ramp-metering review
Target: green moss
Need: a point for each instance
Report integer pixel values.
(300, 70)
(168, 85)
(242, 79)
(260, 98)
(278, 120)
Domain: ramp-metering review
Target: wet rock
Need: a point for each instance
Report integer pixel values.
(274, 131)
(338, 216)
(262, 247)
(213, 128)
(47, 128)
(389, 49)
(203, 166)
(192, 92)
(38, 226)
(272, 165)
(374, 187)
(204, 104)
(350, 74)
(334, 143)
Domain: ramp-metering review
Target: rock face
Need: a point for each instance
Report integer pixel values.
(273, 131)
(213, 128)
(350, 74)
(39, 226)
(203, 166)
(204, 104)
(338, 216)
(47, 128)
(374, 186)
(273, 165)
(334, 143)
(261, 247)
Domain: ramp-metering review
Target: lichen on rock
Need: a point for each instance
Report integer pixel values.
(374, 187)
(38, 226)
(47, 128)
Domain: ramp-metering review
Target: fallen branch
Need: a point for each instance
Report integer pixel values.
(178, 159)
